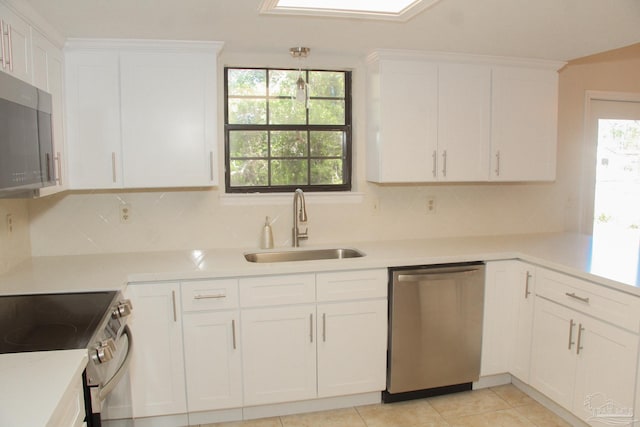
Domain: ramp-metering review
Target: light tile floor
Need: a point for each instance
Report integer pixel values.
(503, 406)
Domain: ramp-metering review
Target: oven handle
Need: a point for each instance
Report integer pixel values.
(115, 379)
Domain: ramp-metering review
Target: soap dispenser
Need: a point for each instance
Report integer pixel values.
(266, 241)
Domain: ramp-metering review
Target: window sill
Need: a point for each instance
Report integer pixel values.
(249, 199)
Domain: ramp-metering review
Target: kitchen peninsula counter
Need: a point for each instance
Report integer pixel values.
(612, 264)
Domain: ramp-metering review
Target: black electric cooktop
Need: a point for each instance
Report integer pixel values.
(42, 322)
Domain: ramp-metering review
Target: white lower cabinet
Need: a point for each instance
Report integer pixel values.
(508, 317)
(352, 347)
(585, 347)
(157, 365)
(213, 363)
(279, 354)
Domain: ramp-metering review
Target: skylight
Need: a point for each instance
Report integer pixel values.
(401, 10)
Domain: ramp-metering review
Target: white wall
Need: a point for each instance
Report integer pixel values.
(15, 244)
(80, 223)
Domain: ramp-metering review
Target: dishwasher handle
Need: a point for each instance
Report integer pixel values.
(430, 275)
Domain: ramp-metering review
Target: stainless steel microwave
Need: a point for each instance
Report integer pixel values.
(26, 138)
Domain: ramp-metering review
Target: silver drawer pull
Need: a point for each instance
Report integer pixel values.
(216, 296)
(574, 296)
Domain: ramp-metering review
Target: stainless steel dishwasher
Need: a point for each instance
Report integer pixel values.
(435, 329)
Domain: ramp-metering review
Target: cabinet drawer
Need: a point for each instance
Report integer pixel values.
(348, 285)
(607, 304)
(277, 290)
(209, 294)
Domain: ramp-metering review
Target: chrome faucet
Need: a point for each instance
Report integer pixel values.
(299, 215)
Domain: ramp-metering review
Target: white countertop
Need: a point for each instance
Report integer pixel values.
(610, 264)
(34, 383)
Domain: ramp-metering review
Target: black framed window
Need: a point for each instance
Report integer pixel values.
(281, 135)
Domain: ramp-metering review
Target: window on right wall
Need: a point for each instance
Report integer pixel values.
(282, 133)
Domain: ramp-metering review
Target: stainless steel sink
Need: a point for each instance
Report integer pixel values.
(303, 255)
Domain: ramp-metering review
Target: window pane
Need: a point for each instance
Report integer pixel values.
(326, 84)
(247, 111)
(326, 172)
(286, 112)
(246, 82)
(248, 143)
(288, 144)
(327, 144)
(326, 112)
(289, 172)
(283, 82)
(249, 172)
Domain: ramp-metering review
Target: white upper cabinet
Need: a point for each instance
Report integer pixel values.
(403, 121)
(524, 116)
(142, 115)
(460, 118)
(15, 55)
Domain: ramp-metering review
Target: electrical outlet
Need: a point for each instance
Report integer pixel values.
(9, 220)
(430, 207)
(125, 213)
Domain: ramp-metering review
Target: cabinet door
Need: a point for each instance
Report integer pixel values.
(212, 360)
(48, 75)
(18, 32)
(352, 347)
(464, 107)
(553, 362)
(168, 119)
(524, 287)
(279, 354)
(157, 364)
(93, 119)
(523, 124)
(607, 365)
(409, 119)
(499, 315)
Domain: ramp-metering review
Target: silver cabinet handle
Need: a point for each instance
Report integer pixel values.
(113, 166)
(173, 302)
(444, 163)
(311, 327)
(214, 296)
(571, 325)
(579, 346)
(233, 332)
(324, 327)
(58, 160)
(435, 163)
(574, 296)
(2, 49)
(526, 285)
(497, 163)
(10, 54)
(211, 165)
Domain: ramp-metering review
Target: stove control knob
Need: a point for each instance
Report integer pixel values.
(123, 309)
(105, 351)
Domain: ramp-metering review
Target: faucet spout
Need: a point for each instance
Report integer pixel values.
(299, 215)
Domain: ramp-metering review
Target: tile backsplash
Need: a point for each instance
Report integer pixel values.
(84, 223)
(15, 245)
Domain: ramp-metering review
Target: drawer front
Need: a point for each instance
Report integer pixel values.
(209, 295)
(594, 300)
(277, 290)
(349, 285)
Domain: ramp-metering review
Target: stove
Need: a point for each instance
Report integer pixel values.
(43, 322)
(96, 321)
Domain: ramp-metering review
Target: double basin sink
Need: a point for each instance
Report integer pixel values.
(303, 255)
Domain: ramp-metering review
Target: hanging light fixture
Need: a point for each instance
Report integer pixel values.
(302, 87)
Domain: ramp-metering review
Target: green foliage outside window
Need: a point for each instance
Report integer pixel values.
(277, 143)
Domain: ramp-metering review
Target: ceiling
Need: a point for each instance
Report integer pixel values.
(548, 29)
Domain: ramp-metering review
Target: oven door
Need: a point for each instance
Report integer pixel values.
(103, 377)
